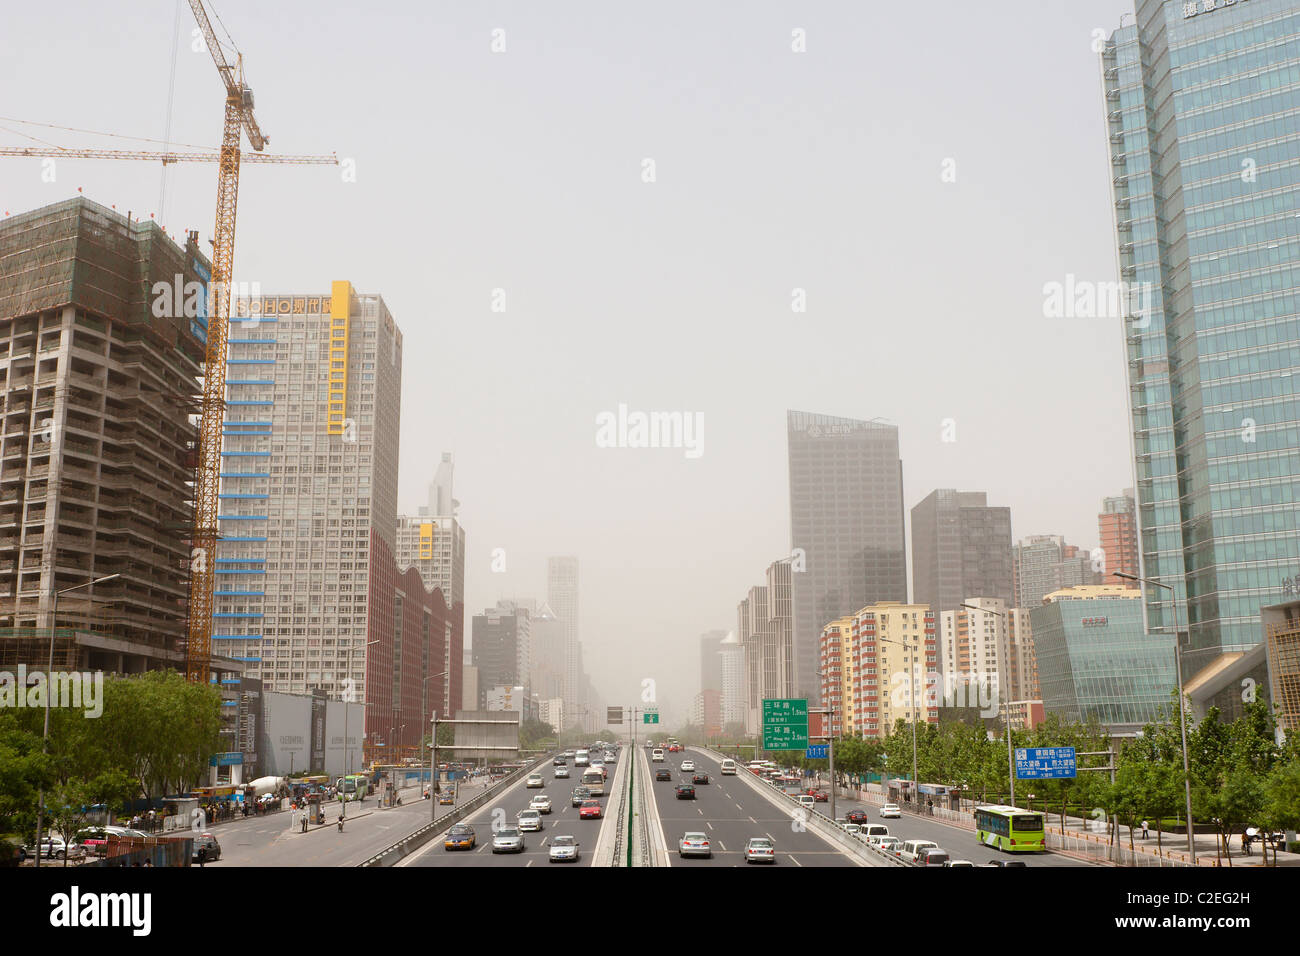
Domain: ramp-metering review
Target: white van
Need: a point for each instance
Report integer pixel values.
(912, 849)
(728, 768)
(876, 830)
(656, 756)
(806, 801)
(582, 758)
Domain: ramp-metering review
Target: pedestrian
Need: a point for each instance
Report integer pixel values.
(1145, 832)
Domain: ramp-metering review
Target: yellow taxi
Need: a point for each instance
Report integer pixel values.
(459, 837)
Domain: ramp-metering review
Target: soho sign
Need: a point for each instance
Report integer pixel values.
(1193, 7)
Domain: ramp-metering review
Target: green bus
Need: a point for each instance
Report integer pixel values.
(353, 787)
(1011, 829)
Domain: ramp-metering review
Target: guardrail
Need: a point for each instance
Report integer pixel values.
(850, 843)
(406, 846)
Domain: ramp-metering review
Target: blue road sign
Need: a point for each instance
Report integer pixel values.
(816, 752)
(1044, 763)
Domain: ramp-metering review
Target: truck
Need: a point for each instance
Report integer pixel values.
(277, 786)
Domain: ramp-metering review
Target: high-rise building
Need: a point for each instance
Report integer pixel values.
(710, 662)
(838, 657)
(1044, 563)
(961, 548)
(707, 712)
(1095, 660)
(975, 651)
(897, 667)
(103, 323)
(562, 597)
(1203, 120)
(1117, 525)
(307, 573)
(1022, 666)
(846, 526)
(500, 641)
(547, 675)
(764, 629)
(731, 655)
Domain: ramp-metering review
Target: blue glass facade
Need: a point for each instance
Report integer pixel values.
(1203, 117)
(1095, 660)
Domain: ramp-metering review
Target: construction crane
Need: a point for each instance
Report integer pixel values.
(207, 478)
(239, 119)
(163, 157)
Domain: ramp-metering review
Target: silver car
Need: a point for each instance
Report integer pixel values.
(694, 843)
(564, 849)
(529, 819)
(561, 772)
(508, 840)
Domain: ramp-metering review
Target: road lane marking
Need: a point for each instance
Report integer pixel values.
(708, 824)
(797, 863)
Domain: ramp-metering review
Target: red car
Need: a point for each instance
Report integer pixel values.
(590, 810)
(819, 796)
(856, 816)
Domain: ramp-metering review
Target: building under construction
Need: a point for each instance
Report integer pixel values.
(99, 367)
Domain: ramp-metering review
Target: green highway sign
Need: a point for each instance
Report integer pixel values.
(650, 718)
(785, 724)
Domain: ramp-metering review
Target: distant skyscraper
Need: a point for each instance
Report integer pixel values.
(501, 645)
(1203, 109)
(1044, 563)
(763, 628)
(846, 527)
(961, 549)
(734, 700)
(710, 662)
(562, 596)
(1117, 524)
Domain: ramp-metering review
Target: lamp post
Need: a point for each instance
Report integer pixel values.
(911, 693)
(1182, 718)
(347, 752)
(1011, 766)
(49, 669)
(424, 696)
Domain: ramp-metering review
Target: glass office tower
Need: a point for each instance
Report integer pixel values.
(1203, 117)
(846, 517)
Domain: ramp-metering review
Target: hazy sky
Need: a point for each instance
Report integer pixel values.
(774, 170)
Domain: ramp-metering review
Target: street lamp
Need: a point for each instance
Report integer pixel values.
(424, 695)
(831, 719)
(1011, 766)
(347, 752)
(911, 693)
(49, 669)
(1182, 718)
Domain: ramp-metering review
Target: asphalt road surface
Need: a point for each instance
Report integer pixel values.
(729, 812)
(563, 818)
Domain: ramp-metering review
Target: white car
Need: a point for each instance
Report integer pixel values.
(561, 772)
(806, 801)
(960, 863)
(914, 851)
(850, 827)
(891, 811)
(529, 819)
(694, 844)
(534, 781)
(656, 756)
(564, 849)
(688, 766)
(890, 844)
(541, 803)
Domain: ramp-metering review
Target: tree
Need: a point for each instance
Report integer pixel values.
(1282, 799)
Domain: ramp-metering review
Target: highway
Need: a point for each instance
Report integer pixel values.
(729, 812)
(960, 844)
(563, 818)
